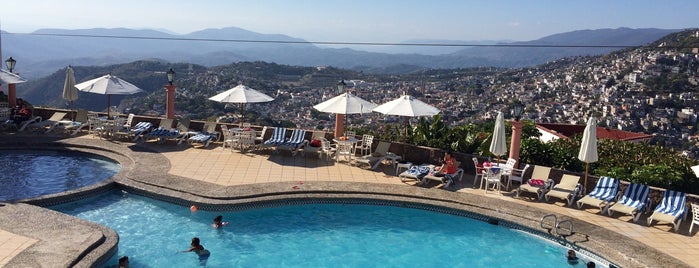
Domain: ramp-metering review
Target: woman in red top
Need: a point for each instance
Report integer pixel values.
(447, 169)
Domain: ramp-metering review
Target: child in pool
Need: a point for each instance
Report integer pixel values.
(572, 259)
(218, 222)
(197, 248)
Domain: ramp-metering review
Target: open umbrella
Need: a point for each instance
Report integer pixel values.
(109, 85)
(70, 93)
(498, 145)
(408, 106)
(241, 94)
(345, 103)
(588, 147)
(10, 78)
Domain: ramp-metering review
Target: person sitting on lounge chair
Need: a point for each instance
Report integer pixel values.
(22, 112)
(447, 169)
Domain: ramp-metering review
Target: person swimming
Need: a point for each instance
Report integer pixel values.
(197, 248)
(572, 258)
(218, 222)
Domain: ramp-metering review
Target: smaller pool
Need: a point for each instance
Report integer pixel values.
(28, 174)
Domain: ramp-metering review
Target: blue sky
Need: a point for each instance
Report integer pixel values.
(355, 20)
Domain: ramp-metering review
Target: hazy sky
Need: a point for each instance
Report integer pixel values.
(355, 20)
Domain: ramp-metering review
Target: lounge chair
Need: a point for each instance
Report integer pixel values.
(73, 126)
(672, 209)
(278, 137)
(634, 200)
(48, 123)
(379, 155)
(315, 145)
(567, 189)
(456, 175)
(163, 132)
(416, 173)
(294, 143)
(140, 129)
(538, 183)
(206, 136)
(604, 193)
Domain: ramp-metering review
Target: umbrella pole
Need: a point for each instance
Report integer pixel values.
(109, 104)
(587, 171)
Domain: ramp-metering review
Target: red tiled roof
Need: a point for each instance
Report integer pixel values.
(567, 130)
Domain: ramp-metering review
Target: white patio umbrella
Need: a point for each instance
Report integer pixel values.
(241, 94)
(109, 85)
(498, 145)
(588, 147)
(407, 106)
(345, 103)
(10, 78)
(70, 92)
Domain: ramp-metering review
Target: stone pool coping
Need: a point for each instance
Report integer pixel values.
(145, 171)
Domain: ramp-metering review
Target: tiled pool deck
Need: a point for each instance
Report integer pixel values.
(216, 176)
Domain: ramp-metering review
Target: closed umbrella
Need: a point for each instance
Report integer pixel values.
(108, 85)
(498, 145)
(70, 92)
(588, 147)
(241, 94)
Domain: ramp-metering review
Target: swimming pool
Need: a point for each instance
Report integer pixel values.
(28, 174)
(320, 235)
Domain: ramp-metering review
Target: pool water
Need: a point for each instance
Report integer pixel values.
(28, 174)
(152, 233)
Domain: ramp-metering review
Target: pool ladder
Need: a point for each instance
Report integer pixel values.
(557, 226)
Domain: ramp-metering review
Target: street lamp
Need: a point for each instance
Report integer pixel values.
(170, 76)
(341, 86)
(10, 63)
(516, 140)
(11, 88)
(339, 118)
(170, 90)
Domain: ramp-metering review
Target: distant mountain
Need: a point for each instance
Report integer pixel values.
(44, 51)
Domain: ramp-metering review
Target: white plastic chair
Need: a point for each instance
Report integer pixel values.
(695, 216)
(479, 172)
(344, 149)
(365, 145)
(492, 177)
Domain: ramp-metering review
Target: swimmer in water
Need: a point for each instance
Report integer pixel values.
(218, 222)
(572, 259)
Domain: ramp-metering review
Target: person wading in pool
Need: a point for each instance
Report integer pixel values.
(218, 222)
(197, 248)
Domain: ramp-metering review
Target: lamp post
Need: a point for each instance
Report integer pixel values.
(11, 88)
(339, 123)
(515, 142)
(170, 89)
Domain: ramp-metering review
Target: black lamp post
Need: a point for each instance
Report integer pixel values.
(170, 76)
(170, 91)
(10, 63)
(516, 140)
(517, 110)
(11, 88)
(341, 87)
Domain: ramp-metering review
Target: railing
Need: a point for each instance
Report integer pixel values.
(557, 226)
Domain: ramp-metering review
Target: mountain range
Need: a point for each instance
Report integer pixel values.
(44, 51)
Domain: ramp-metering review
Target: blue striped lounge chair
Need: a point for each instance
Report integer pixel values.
(140, 129)
(205, 137)
(671, 209)
(163, 132)
(278, 137)
(604, 193)
(634, 200)
(296, 141)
